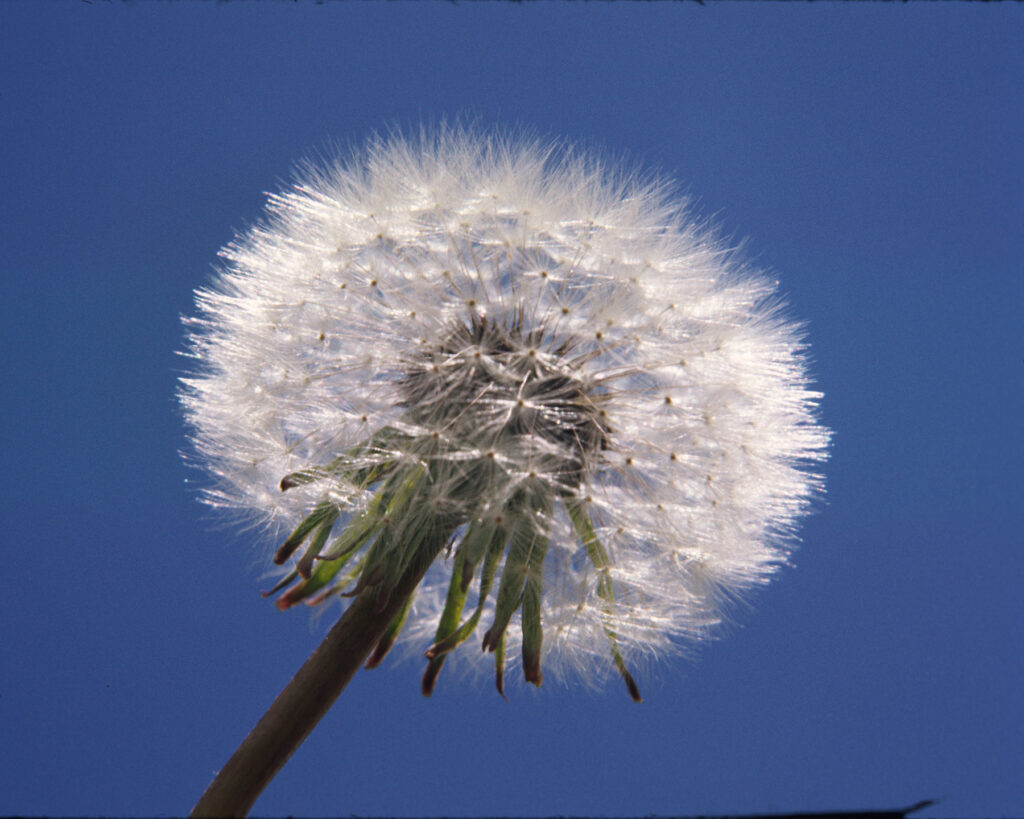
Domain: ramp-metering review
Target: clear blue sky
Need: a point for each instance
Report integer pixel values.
(871, 156)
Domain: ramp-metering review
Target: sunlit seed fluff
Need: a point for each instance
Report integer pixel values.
(535, 363)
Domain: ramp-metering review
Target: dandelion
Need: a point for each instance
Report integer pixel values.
(503, 396)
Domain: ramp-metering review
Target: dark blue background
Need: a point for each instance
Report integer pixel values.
(871, 154)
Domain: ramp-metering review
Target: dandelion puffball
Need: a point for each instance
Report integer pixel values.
(535, 370)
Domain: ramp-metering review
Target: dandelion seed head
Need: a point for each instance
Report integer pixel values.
(548, 364)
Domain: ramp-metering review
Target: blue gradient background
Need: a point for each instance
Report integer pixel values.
(872, 155)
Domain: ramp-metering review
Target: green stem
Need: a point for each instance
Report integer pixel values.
(310, 694)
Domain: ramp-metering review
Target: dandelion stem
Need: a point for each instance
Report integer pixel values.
(311, 692)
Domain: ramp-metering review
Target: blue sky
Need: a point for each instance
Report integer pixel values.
(870, 156)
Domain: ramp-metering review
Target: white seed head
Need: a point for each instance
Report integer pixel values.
(476, 334)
